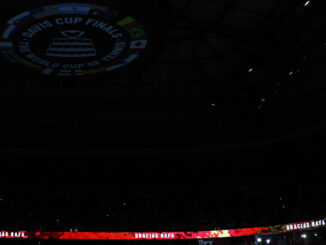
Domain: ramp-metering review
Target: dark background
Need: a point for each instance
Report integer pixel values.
(186, 127)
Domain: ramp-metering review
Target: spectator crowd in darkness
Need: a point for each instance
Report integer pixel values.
(153, 211)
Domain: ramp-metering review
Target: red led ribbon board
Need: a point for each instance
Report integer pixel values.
(315, 224)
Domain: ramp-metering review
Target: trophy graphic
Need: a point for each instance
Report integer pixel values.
(71, 46)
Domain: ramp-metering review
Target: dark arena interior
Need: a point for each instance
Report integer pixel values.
(179, 122)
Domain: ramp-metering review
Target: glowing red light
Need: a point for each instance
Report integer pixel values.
(162, 235)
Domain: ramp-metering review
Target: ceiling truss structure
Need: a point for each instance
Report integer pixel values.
(220, 78)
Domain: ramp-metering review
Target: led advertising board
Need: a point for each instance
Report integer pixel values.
(315, 224)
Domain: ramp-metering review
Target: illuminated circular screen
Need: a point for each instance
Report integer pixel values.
(72, 39)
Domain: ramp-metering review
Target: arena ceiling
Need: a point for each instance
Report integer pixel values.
(215, 76)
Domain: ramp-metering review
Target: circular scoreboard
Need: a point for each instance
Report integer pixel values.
(72, 39)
